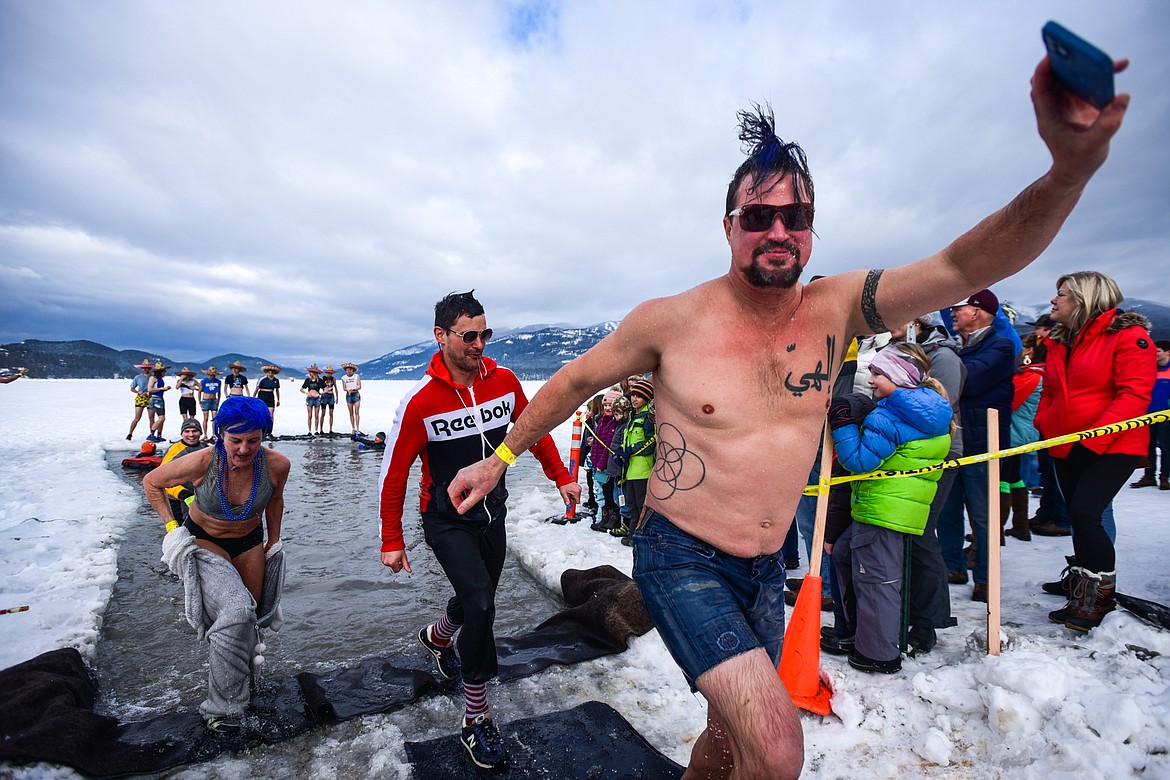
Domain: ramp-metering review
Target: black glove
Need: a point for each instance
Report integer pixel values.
(849, 409)
(839, 413)
(860, 405)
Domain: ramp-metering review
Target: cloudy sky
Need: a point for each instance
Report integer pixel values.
(303, 180)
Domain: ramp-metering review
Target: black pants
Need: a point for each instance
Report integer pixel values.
(1159, 440)
(1088, 482)
(930, 594)
(635, 490)
(472, 557)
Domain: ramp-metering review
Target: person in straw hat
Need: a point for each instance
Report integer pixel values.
(236, 383)
(188, 386)
(351, 382)
(209, 390)
(311, 387)
(328, 396)
(157, 408)
(268, 389)
(140, 386)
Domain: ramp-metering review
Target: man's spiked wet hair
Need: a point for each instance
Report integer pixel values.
(768, 157)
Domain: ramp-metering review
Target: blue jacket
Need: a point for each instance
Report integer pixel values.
(991, 364)
(907, 430)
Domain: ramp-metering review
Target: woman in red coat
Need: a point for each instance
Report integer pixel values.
(1100, 370)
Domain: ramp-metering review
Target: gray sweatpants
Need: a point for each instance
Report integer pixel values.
(869, 558)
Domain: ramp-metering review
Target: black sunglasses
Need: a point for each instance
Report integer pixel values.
(759, 217)
(469, 336)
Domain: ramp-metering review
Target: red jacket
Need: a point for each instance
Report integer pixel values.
(451, 426)
(1104, 377)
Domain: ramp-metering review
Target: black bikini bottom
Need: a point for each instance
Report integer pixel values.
(234, 547)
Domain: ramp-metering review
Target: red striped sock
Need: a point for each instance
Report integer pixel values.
(475, 699)
(443, 631)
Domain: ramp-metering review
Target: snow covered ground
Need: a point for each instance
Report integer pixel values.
(1054, 705)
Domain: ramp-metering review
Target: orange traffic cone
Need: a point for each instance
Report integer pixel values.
(800, 660)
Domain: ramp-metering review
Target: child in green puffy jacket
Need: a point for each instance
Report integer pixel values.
(909, 427)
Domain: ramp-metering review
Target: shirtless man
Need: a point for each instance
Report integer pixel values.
(745, 363)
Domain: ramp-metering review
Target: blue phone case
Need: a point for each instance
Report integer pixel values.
(1085, 69)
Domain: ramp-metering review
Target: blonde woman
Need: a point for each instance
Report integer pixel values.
(1100, 370)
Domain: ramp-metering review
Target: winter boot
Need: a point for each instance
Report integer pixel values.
(1076, 594)
(603, 519)
(1093, 600)
(1060, 587)
(623, 529)
(1020, 528)
(1147, 480)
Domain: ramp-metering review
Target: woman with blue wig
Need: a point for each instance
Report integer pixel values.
(232, 575)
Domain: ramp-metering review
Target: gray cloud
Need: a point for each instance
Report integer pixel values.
(303, 181)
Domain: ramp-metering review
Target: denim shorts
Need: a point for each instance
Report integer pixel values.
(313, 402)
(210, 404)
(353, 398)
(708, 606)
(327, 399)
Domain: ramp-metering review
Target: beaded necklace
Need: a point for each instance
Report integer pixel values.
(223, 502)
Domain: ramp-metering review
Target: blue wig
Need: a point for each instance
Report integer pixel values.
(242, 413)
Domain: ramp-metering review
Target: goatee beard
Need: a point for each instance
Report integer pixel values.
(785, 277)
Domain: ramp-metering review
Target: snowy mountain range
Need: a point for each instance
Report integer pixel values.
(533, 352)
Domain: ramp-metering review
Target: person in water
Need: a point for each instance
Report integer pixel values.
(220, 552)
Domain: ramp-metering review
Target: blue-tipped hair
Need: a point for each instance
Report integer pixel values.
(768, 157)
(242, 413)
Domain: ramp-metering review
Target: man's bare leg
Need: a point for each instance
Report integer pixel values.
(711, 757)
(752, 717)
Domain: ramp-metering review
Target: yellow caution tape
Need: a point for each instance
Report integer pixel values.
(1069, 438)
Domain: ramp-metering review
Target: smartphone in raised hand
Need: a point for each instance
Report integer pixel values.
(1081, 66)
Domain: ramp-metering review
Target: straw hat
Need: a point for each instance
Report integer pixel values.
(144, 364)
(186, 372)
(349, 365)
(237, 364)
(329, 370)
(211, 371)
(313, 369)
(158, 366)
(270, 367)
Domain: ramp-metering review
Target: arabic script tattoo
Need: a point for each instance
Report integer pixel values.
(676, 467)
(818, 377)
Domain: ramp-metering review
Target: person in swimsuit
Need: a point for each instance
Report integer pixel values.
(268, 389)
(236, 483)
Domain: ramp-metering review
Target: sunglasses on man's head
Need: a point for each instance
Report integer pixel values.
(759, 217)
(469, 336)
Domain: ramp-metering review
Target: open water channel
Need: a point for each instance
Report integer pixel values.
(340, 606)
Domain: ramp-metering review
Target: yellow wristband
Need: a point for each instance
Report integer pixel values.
(172, 525)
(505, 454)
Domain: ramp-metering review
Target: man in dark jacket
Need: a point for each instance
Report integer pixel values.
(990, 362)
